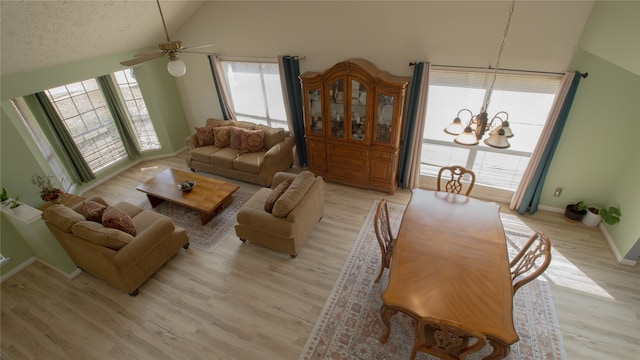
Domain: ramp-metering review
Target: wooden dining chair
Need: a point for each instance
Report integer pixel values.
(535, 253)
(452, 176)
(386, 240)
(446, 339)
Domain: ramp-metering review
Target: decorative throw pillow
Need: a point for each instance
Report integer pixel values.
(275, 194)
(235, 141)
(93, 210)
(252, 140)
(293, 194)
(114, 218)
(223, 136)
(205, 135)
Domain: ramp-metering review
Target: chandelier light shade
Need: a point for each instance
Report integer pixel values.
(498, 127)
(176, 67)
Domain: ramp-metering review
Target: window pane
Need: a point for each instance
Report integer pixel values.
(92, 129)
(526, 99)
(256, 92)
(134, 104)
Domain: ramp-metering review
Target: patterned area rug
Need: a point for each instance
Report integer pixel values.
(204, 237)
(349, 326)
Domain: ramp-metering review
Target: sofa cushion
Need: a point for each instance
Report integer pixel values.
(294, 194)
(206, 135)
(245, 125)
(223, 136)
(249, 162)
(92, 210)
(118, 219)
(204, 153)
(272, 136)
(218, 122)
(62, 216)
(275, 194)
(100, 235)
(251, 140)
(225, 157)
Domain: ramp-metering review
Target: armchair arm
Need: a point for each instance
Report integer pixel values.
(191, 141)
(136, 250)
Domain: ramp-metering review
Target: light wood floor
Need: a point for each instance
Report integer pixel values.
(247, 302)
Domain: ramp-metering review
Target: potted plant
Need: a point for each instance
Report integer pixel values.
(47, 191)
(610, 215)
(575, 212)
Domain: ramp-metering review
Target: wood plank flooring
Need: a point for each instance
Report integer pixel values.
(247, 302)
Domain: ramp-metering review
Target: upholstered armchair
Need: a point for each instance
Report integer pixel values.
(281, 217)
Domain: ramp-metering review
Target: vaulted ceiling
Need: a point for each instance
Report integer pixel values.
(36, 34)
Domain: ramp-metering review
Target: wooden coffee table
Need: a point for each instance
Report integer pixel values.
(209, 196)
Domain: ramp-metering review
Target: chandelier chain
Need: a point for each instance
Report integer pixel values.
(504, 38)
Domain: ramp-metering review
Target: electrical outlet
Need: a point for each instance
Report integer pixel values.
(557, 192)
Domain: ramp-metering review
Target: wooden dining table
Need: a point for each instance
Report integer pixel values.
(450, 262)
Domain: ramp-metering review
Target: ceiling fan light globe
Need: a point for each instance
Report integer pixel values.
(176, 67)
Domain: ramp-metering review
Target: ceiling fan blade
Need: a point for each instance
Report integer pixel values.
(142, 59)
(196, 47)
(149, 53)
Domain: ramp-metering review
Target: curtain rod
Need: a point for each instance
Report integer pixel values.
(254, 58)
(446, 67)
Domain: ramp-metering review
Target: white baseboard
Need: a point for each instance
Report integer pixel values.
(22, 266)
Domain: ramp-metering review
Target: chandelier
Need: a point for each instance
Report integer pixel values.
(479, 124)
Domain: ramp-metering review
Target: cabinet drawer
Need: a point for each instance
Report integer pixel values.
(383, 155)
(316, 146)
(347, 150)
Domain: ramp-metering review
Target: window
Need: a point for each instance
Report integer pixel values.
(137, 110)
(42, 142)
(526, 98)
(83, 109)
(256, 92)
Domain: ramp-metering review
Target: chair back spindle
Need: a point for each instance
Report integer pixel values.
(536, 250)
(384, 235)
(452, 177)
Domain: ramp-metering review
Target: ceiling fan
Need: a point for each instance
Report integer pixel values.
(176, 67)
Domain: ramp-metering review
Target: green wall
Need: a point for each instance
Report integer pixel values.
(20, 157)
(598, 157)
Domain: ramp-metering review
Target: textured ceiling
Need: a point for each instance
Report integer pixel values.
(37, 34)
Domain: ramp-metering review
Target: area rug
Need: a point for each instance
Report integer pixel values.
(204, 237)
(349, 326)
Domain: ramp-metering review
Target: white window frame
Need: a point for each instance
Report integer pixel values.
(488, 163)
(271, 118)
(136, 108)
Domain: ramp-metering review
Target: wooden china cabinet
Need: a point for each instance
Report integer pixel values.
(353, 119)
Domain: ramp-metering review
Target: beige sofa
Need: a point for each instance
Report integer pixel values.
(295, 212)
(212, 151)
(120, 259)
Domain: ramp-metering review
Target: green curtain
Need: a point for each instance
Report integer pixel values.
(81, 170)
(291, 66)
(408, 128)
(120, 118)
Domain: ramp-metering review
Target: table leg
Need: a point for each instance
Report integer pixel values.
(500, 349)
(205, 217)
(154, 201)
(386, 314)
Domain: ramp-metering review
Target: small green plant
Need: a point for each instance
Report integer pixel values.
(4, 196)
(610, 215)
(14, 203)
(580, 206)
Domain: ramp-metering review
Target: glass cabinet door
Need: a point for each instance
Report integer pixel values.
(314, 99)
(358, 111)
(336, 108)
(384, 118)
